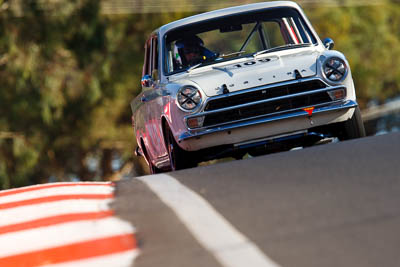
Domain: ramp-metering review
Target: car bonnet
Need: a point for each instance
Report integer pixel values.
(253, 72)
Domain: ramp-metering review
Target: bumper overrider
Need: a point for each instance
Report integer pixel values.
(277, 103)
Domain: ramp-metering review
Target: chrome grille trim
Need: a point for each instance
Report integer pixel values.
(270, 115)
(310, 95)
(273, 85)
(205, 113)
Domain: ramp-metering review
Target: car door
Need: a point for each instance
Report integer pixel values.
(138, 106)
(152, 98)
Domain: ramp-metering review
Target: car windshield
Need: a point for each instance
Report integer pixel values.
(245, 34)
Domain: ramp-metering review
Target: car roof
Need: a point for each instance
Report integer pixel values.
(225, 12)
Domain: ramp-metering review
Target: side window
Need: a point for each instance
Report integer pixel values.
(154, 59)
(146, 65)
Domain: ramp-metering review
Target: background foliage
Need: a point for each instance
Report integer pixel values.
(68, 73)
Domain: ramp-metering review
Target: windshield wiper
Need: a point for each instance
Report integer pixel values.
(279, 48)
(194, 67)
(239, 53)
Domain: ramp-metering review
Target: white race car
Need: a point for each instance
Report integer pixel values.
(248, 79)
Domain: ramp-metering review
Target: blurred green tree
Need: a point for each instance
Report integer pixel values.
(68, 72)
(369, 36)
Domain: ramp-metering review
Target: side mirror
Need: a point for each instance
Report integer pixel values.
(328, 43)
(147, 81)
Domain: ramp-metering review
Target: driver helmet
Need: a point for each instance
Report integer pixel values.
(187, 45)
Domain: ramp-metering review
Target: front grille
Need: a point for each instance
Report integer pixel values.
(264, 94)
(262, 109)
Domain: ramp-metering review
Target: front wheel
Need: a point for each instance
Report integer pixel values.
(179, 159)
(352, 128)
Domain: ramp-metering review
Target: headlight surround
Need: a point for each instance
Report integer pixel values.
(188, 98)
(335, 69)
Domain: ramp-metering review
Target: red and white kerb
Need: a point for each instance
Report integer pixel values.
(63, 224)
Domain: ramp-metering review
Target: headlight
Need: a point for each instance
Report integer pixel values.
(335, 69)
(189, 98)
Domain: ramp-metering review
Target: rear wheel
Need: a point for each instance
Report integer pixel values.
(152, 169)
(352, 128)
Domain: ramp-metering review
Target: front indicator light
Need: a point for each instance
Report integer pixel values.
(195, 122)
(337, 94)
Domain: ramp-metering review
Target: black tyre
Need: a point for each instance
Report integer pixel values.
(239, 155)
(152, 169)
(179, 158)
(352, 128)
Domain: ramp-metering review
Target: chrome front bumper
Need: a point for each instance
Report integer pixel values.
(278, 116)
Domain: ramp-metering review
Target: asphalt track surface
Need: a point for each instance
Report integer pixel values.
(329, 205)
